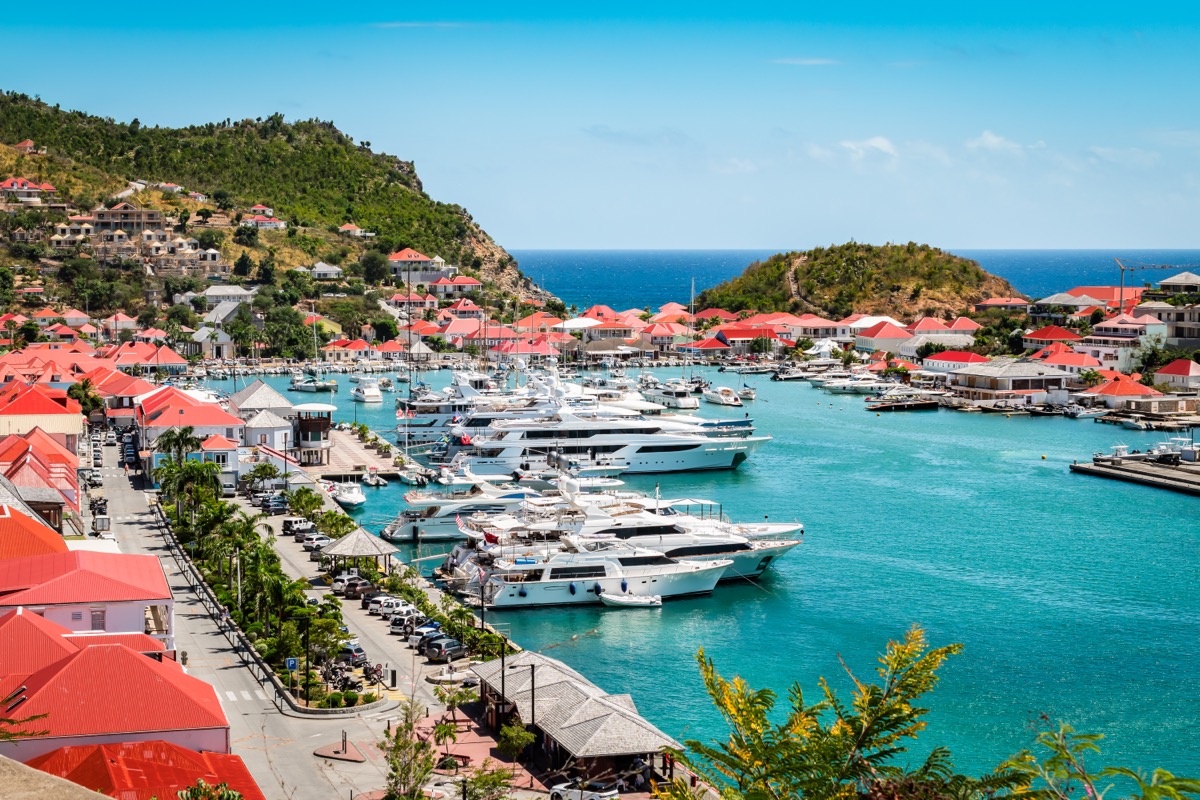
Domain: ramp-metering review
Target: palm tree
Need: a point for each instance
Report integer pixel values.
(445, 734)
(335, 524)
(261, 473)
(178, 442)
(304, 502)
(85, 393)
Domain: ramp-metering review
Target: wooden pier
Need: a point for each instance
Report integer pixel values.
(1183, 477)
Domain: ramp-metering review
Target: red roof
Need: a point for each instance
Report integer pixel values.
(216, 442)
(885, 330)
(1003, 301)
(1124, 387)
(925, 324)
(1053, 333)
(79, 695)
(145, 770)
(465, 280)
(1071, 359)
(349, 226)
(36, 399)
(46, 313)
(707, 344)
(409, 256)
(719, 313)
(965, 325)
(81, 576)
(22, 536)
(958, 357)
(30, 642)
(1183, 367)
(1052, 349)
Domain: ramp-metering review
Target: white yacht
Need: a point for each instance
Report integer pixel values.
(366, 391)
(432, 516)
(309, 384)
(722, 396)
(646, 446)
(349, 495)
(580, 576)
(672, 395)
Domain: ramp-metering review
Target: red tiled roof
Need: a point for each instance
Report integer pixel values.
(79, 698)
(927, 324)
(885, 330)
(1053, 333)
(46, 313)
(22, 536)
(216, 442)
(30, 642)
(1071, 359)
(707, 344)
(408, 255)
(719, 313)
(958, 357)
(465, 280)
(36, 399)
(965, 325)
(139, 642)
(1124, 387)
(81, 576)
(145, 770)
(1182, 367)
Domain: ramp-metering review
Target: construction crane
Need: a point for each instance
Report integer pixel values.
(1134, 267)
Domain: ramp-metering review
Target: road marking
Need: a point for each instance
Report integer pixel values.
(232, 697)
(246, 695)
(260, 694)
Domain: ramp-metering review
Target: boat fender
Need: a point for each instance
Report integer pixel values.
(572, 587)
(523, 593)
(624, 585)
(598, 588)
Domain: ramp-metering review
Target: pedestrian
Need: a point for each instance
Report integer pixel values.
(126, 469)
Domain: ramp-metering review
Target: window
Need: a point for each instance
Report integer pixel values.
(221, 458)
(262, 438)
(98, 619)
(77, 616)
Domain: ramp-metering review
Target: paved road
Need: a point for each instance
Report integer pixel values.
(276, 748)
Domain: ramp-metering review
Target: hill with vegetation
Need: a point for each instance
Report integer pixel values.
(897, 279)
(312, 175)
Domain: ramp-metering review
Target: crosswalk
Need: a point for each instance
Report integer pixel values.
(245, 695)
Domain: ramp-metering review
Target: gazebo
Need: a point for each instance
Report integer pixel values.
(361, 544)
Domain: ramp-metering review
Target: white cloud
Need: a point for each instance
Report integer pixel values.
(873, 146)
(1125, 156)
(994, 143)
(735, 166)
(806, 62)
(818, 153)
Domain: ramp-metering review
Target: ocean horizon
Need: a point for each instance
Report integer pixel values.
(626, 279)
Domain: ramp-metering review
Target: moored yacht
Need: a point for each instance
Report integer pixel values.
(366, 391)
(722, 396)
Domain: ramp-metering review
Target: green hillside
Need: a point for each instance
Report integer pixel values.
(836, 281)
(311, 173)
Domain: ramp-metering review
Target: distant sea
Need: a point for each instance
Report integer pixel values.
(638, 278)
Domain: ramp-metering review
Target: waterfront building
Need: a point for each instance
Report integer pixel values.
(257, 397)
(310, 438)
(1010, 379)
(1182, 374)
(1072, 362)
(173, 408)
(957, 341)
(1119, 391)
(884, 336)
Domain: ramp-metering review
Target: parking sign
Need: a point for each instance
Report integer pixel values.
(293, 664)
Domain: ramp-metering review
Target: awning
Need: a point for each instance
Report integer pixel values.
(120, 412)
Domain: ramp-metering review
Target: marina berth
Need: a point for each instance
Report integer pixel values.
(580, 575)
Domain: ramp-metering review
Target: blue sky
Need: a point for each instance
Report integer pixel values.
(665, 125)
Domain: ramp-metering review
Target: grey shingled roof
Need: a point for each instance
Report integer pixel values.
(359, 544)
(267, 419)
(1009, 368)
(582, 718)
(258, 395)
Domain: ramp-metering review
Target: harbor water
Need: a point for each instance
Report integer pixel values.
(1074, 598)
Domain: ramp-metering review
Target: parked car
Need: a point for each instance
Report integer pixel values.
(391, 605)
(315, 541)
(405, 615)
(307, 541)
(369, 596)
(353, 655)
(111, 438)
(377, 602)
(430, 640)
(578, 789)
(357, 587)
(316, 555)
(445, 651)
(338, 586)
(298, 526)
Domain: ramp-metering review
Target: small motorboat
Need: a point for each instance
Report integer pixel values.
(349, 495)
(373, 478)
(312, 385)
(631, 600)
(366, 391)
(415, 476)
(722, 396)
(747, 393)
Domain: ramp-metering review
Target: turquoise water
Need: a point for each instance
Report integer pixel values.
(1073, 597)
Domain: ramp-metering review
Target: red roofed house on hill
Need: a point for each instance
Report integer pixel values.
(1003, 303)
(408, 260)
(1038, 339)
(882, 336)
(109, 693)
(1072, 362)
(86, 591)
(354, 232)
(1116, 342)
(144, 770)
(24, 190)
(1182, 374)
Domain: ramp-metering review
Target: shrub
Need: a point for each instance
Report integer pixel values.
(369, 697)
(351, 698)
(334, 700)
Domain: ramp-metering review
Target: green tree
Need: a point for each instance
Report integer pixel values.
(761, 345)
(246, 235)
(84, 392)
(454, 697)
(304, 502)
(832, 748)
(335, 524)
(261, 473)
(184, 216)
(205, 214)
(374, 267)
(445, 734)
(410, 759)
(1090, 377)
(489, 782)
(178, 442)
(514, 738)
(243, 265)
(7, 293)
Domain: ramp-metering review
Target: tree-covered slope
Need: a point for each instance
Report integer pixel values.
(836, 281)
(308, 171)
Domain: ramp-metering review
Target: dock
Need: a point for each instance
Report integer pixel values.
(1183, 477)
(349, 459)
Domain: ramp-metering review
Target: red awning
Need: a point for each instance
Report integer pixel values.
(120, 412)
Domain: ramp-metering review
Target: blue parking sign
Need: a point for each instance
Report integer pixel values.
(293, 664)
